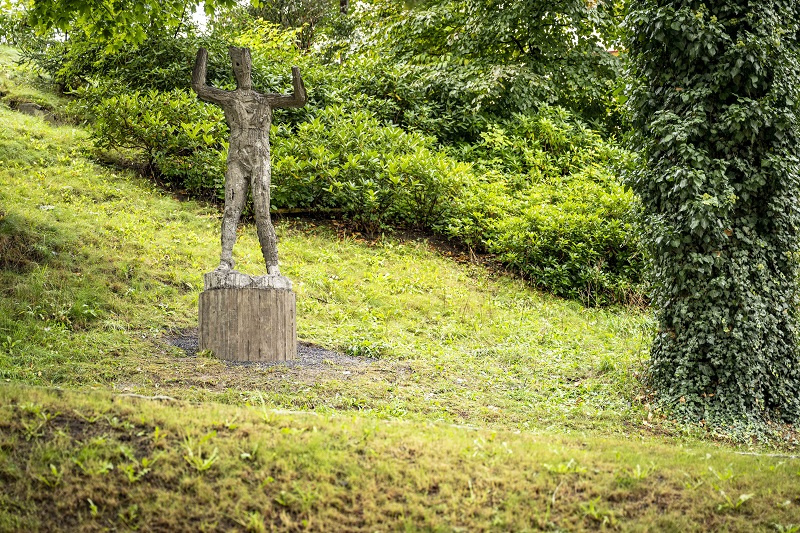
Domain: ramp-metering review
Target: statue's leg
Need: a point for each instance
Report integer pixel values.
(235, 198)
(266, 231)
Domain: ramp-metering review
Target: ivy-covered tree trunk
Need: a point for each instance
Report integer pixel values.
(714, 103)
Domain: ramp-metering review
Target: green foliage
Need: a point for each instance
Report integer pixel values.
(115, 22)
(305, 15)
(162, 60)
(181, 139)
(12, 23)
(469, 63)
(549, 207)
(715, 111)
(378, 175)
(540, 196)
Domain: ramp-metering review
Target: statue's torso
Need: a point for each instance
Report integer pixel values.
(249, 115)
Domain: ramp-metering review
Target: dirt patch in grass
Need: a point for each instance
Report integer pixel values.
(314, 364)
(309, 356)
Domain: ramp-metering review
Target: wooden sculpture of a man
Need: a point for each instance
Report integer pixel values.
(249, 116)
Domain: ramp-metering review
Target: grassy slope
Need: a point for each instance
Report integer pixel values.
(89, 461)
(96, 266)
(118, 264)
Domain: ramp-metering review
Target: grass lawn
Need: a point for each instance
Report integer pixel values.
(458, 397)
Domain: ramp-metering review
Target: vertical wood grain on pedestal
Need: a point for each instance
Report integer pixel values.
(247, 324)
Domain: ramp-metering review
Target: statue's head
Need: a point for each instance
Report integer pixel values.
(242, 65)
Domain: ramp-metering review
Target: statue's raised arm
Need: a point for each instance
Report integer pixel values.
(204, 92)
(298, 97)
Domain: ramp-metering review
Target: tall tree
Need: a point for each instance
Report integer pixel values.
(116, 21)
(304, 15)
(714, 108)
(493, 58)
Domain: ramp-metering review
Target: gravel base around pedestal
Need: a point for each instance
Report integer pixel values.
(308, 355)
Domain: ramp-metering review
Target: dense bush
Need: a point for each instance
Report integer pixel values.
(378, 175)
(536, 191)
(575, 238)
(549, 206)
(177, 138)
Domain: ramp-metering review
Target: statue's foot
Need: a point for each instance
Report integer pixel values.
(225, 264)
(273, 270)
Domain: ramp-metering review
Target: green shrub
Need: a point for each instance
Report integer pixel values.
(179, 139)
(548, 143)
(549, 207)
(537, 193)
(575, 237)
(378, 175)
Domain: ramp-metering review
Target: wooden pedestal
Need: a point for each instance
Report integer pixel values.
(249, 324)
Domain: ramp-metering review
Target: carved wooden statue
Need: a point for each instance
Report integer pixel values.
(249, 116)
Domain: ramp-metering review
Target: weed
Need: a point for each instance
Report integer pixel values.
(101, 468)
(135, 471)
(636, 474)
(33, 430)
(252, 521)
(119, 424)
(602, 516)
(732, 504)
(8, 344)
(127, 452)
(158, 436)
(91, 419)
(38, 411)
(130, 516)
(298, 499)
(692, 483)
(249, 455)
(194, 453)
(570, 467)
(229, 424)
(774, 467)
(640, 473)
(723, 476)
(53, 477)
(788, 528)
(92, 508)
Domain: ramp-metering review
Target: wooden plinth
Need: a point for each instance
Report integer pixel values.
(249, 324)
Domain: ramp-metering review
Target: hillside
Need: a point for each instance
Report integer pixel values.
(432, 394)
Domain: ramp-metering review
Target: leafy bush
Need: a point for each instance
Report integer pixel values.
(575, 237)
(549, 207)
(539, 193)
(378, 175)
(178, 138)
(536, 191)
